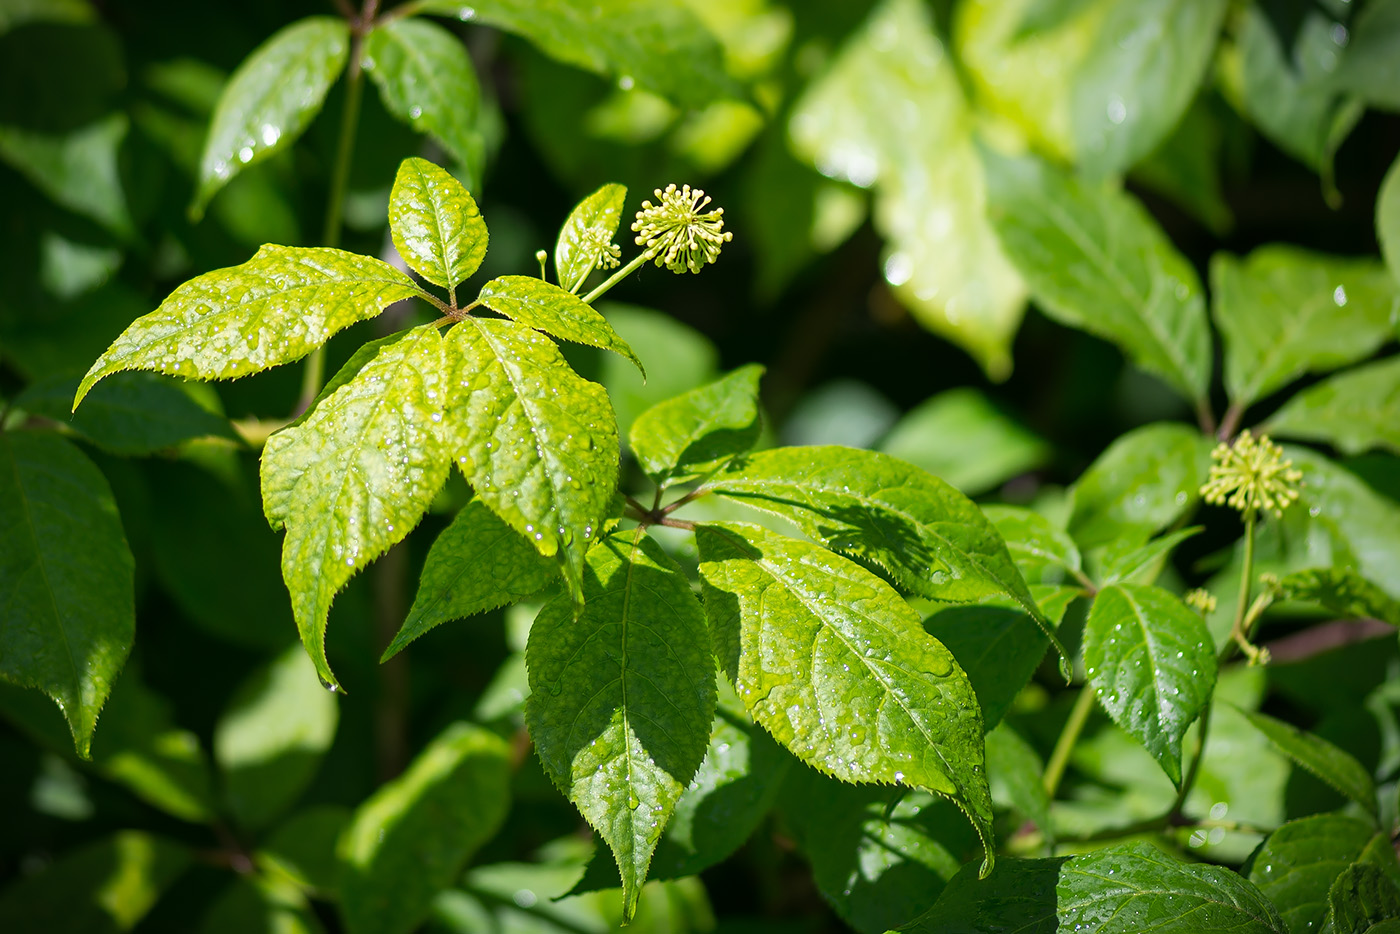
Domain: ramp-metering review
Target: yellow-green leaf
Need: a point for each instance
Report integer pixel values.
(584, 238)
(435, 224)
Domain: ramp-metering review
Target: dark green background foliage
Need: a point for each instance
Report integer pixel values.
(842, 586)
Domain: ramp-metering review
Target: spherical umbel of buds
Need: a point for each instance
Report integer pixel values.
(675, 232)
(600, 238)
(1252, 476)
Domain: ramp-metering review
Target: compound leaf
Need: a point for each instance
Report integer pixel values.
(277, 307)
(478, 563)
(832, 662)
(436, 225)
(413, 837)
(1353, 411)
(691, 434)
(270, 99)
(1095, 260)
(1151, 660)
(1334, 766)
(622, 697)
(68, 616)
(355, 476)
(537, 442)
(584, 237)
(546, 307)
(1283, 312)
(426, 79)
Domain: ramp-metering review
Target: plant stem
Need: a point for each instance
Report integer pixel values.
(1230, 422)
(637, 262)
(315, 371)
(1238, 631)
(1202, 734)
(1205, 417)
(1059, 758)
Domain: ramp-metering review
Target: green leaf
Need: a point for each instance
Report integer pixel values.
(1296, 866)
(69, 614)
(1122, 562)
(1151, 661)
(733, 790)
(412, 838)
(622, 697)
(692, 434)
(941, 257)
(356, 476)
(478, 563)
(691, 361)
(1145, 481)
(19, 12)
(78, 170)
(426, 79)
(591, 224)
(1019, 896)
(1388, 218)
(270, 99)
(1289, 93)
(1014, 771)
(1361, 899)
(255, 904)
(1138, 78)
(132, 413)
(960, 436)
(277, 307)
(270, 738)
(657, 45)
(933, 539)
(1042, 552)
(879, 856)
(1283, 312)
(1341, 514)
(1334, 766)
(1341, 591)
(548, 308)
(1353, 411)
(1369, 67)
(1095, 260)
(106, 886)
(537, 442)
(436, 225)
(809, 640)
(999, 647)
(302, 849)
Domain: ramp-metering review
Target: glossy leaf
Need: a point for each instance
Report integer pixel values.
(735, 787)
(478, 563)
(271, 99)
(810, 639)
(942, 257)
(105, 886)
(270, 738)
(1145, 481)
(1334, 766)
(591, 224)
(879, 856)
(1296, 866)
(1362, 899)
(78, 170)
(1014, 771)
(545, 307)
(1019, 895)
(426, 79)
(412, 838)
(436, 225)
(131, 413)
(378, 437)
(536, 442)
(1340, 513)
(1042, 552)
(277, 307)
(960, 437)
(1095, 260)
(68, 617)
(1353, 411)
(928, 535)
(1138, 79)
(691, 361)
(1388, 219)
(1151, 661)
(1140, 565)
(653, 44)
(1283, 312)
(1341, 591)
(621, 697)
(690, 435)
